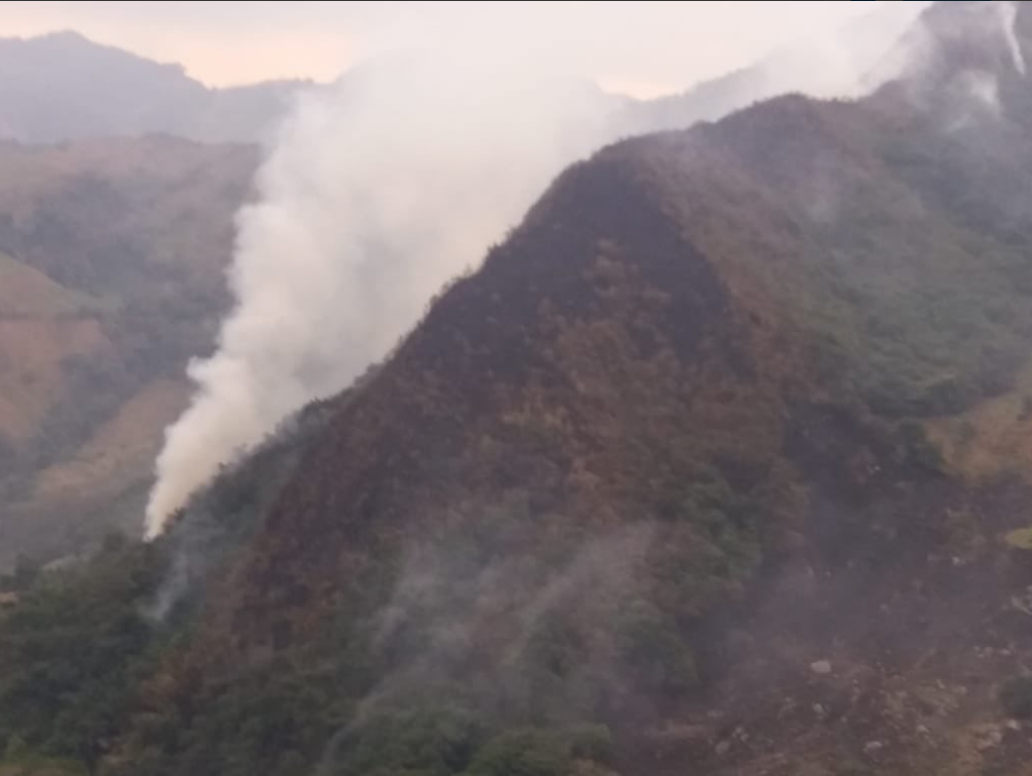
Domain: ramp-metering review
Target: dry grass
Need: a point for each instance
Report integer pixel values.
(28, 293)
(31, 379)
(121, 451)
(991, 438)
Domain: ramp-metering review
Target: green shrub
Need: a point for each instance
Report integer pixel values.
(69, 652)
(654, 650)
(429, 741)
(535, 752)
(522, 753)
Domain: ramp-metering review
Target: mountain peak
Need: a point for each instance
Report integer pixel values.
(63, 86)
(973, 35)
(66, 36)
(962, 65)
(38, 51)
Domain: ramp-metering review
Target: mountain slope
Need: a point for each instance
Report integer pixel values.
(756, 252)
(663, 465)
(62, 87)
(111, 261)
(657, 490)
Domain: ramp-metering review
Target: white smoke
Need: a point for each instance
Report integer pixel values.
(374, 196)
(377, 192)
(1009, 16)
(984, 88)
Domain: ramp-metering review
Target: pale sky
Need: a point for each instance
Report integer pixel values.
(640, 47)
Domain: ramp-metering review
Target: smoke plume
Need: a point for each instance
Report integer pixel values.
(374, 195)
(377, 191)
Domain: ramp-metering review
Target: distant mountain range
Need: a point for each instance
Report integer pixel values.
(62, 87)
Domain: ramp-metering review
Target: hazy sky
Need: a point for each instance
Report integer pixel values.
(641, 47)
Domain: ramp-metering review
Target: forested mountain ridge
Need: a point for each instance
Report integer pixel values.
(719, 464)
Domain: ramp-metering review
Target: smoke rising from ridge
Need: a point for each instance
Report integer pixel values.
(372, 198)
(376, 192)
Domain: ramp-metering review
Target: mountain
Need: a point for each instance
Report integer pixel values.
(62, 87)
(718, 465)
(854, 60)
(111, 276)
(77, 424)
(82, 256)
